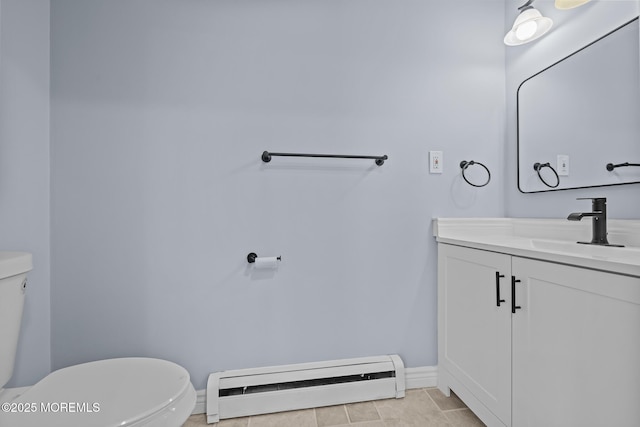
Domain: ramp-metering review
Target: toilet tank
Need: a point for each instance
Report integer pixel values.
(13, 275)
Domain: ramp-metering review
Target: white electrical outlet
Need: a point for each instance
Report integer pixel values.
(563, 165)
(435, 162)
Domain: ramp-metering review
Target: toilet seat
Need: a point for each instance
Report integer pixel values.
(108, 393)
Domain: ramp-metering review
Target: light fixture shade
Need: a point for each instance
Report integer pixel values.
(569, 4)
(529, 25)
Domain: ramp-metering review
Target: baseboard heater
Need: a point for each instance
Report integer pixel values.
(245, 392)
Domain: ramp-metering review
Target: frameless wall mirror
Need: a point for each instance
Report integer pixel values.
(581, 114)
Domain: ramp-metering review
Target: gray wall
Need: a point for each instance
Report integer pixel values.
(572, 30)
(24, 169)
(160, 110)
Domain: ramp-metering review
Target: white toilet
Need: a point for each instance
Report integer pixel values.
(124, 392)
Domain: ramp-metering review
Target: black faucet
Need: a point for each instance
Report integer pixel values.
(599, 223)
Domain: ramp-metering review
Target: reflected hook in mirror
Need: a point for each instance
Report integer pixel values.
(539, 166)
(611, 166)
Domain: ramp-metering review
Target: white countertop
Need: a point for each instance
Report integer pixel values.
(547, 239)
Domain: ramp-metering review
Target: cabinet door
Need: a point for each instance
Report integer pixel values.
(576, 347)
(475, 333)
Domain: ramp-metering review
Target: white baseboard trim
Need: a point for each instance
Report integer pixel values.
(201, 402)
(425, 376)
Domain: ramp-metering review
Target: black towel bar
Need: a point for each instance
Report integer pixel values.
(266, 156)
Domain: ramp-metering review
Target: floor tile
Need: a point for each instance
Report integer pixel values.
(233, 422)
(201, 421)
(419, 408)
(445, 403)
(415, 409)
(195, 421)
(415, 423)
(331, 416)
(362, 411)
(463, 418)
(305, 418)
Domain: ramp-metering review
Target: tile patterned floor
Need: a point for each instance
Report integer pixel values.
(426, 407)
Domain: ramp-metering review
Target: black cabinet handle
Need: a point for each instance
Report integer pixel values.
(498, 300)
(514, 307)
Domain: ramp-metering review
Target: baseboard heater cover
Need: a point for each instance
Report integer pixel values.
(245, 392)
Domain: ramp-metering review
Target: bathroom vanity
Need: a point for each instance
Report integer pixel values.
(535, 329)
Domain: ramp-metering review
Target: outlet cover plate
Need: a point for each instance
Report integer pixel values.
(563, 165)
(435, 162)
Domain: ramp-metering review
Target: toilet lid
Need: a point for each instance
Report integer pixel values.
(106, 393)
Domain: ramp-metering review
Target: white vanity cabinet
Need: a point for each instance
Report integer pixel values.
(576, 347)
(561, 349)
(474, 322)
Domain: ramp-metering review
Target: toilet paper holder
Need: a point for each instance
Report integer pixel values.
(251, 258)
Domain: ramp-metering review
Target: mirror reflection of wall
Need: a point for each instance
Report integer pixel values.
(580, 114)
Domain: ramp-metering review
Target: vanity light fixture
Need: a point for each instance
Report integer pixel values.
(569, 4)
(529, 26)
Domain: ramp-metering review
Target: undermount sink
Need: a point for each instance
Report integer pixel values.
(574, 248)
